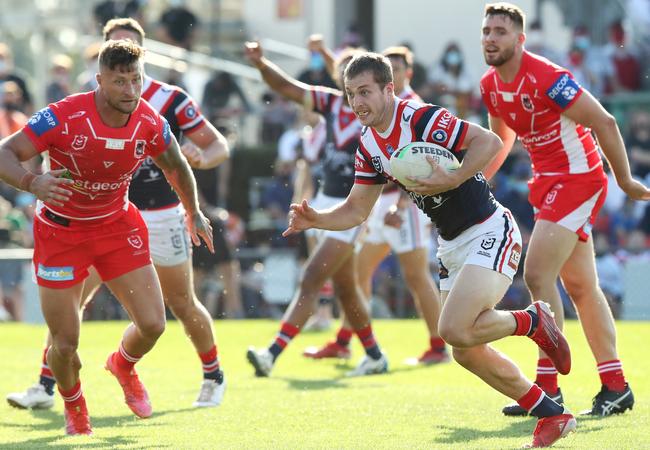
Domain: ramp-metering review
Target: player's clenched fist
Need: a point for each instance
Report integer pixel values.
(253, 51)
(301, 217)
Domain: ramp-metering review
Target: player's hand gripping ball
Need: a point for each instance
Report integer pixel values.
(411, 161)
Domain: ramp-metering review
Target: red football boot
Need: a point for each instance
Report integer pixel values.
(550, 339)
(329, 350)
(550, 429)
(135, 395)
(77, 421)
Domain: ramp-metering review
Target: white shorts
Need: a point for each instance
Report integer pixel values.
(349, 236)
(414, 233)
(169, 241)
(494, 244)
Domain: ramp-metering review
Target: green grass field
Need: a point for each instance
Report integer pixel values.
(310, 404)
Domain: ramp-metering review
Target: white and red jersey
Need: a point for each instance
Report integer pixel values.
(149, 188)
(453, 211)
(532, 105)
(342, 140)
(100, 159)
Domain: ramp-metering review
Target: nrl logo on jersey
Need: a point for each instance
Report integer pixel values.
(79, 142)
(376, 163)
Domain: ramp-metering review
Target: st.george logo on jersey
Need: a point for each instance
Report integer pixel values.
(411, 161)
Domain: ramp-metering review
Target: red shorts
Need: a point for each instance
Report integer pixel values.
(62, 254)
(572, 201)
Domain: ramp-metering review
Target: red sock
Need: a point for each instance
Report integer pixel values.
(437, 343)
(344, 336)
(546, 376)
(210, 360)
(285, 335)
(45, 369)
(124, 360)
(73, 397)
(611, 375)
(531, 398)
(524, 323)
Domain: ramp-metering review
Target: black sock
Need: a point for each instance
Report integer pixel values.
(547, 408)
(48, 384)
(532, 311)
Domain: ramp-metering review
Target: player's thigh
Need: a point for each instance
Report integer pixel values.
(176, 284)
(578, 274)
(476, 289)
(369, 258)
(415, 265)
(60, 309)
(91, 284)
(549, 248)
(327, 258)
(140, 294)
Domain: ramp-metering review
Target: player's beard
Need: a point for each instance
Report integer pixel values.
(503, 57)
(120, 106)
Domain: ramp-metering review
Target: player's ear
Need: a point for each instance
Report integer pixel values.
(390, 88)
(521, 39)
(98, 78)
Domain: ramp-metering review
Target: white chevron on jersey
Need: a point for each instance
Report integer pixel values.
(343, 132)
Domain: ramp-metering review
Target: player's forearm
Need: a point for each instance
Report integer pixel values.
(480, 152)
(302, 186)
(611, 142)
(182, 180)
(215, 153)
(340, 217)
(277, 79)
(11, 171)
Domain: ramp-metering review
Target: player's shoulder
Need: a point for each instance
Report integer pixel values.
(148, 113)
(488, 76)
(540, 68)
(75, 105)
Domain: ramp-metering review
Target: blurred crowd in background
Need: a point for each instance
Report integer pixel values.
(251, 194)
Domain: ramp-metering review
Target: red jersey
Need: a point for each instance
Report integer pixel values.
(100, 159)
(532, 105)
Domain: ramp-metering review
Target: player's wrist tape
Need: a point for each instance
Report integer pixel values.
(26, 181)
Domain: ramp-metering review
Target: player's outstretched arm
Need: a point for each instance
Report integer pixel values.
(588, 112)
(275, 77)
(180, 177)
(48, 187)
(351, 212)
(209, 148)
(508, 136)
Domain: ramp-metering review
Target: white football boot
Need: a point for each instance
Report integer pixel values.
(211, 394)
(369, 366)
(262, 361)
(34, 397)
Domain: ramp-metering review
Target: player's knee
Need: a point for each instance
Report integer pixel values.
(535, 279)
(181, 305)
(153, 329)
(463, 356)
(578, 288)
(66, 348)
(454, 335)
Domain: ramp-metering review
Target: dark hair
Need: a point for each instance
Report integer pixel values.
(125, 23)
(123, 53)
(400, 52)
(375, 63)
(509, 10)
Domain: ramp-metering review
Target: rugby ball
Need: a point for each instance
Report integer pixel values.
(411, 161)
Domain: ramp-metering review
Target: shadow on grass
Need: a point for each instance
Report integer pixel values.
(53, 420)
(314, 385)
(518, 429)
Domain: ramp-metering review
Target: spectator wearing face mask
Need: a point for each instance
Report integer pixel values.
(8, 73)
(316, 73)
(592, 59)
(451, 82)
